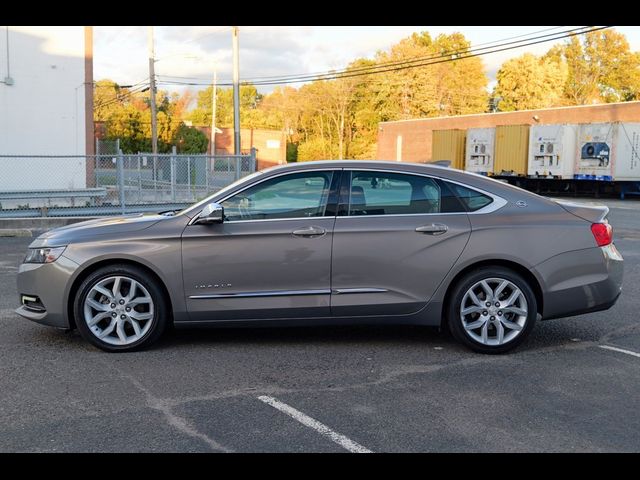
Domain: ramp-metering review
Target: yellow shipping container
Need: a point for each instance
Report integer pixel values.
(449, 145)
(512, 149)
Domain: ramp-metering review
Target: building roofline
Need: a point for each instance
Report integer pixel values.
(422, 119)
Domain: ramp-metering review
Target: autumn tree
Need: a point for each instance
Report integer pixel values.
(601, 68)
(443, 82)
(530, 82)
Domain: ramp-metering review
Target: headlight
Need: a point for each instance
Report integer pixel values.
(43, 255)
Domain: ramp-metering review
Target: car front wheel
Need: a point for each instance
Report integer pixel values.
(492, 310)
(119, 308)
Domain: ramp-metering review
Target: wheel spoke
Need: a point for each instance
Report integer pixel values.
(512, 298)
(516, 310)
(140, 315)
(120, 331)
(102, 307)
(108, 330)
(474, 298)
(116, 286)
(500, 332)
(472, 309)
(485, 332)
(107, 293)
(500, 288)
(132, 290)
(136, 326)
(473, 325)
(487, 290)
(97, 318)
(139, 301)
(510, 325)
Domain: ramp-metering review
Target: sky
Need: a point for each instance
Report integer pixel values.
(191, 54)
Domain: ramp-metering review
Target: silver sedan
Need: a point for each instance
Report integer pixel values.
(332, 242)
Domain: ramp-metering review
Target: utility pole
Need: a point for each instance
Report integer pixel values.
(152, 89)
(236, 93)
(214, 96)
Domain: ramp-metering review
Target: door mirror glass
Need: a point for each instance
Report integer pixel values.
(212, 213)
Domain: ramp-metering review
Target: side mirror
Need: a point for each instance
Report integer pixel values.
(211, 213)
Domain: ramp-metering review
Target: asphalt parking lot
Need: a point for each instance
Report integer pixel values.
(330, 389)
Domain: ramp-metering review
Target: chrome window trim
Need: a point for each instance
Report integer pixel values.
(332, 170)
(275, 293)
(497, 203)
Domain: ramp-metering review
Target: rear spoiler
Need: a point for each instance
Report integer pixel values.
(593, 214)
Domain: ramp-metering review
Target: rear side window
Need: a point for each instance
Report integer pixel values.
(391, 193)
(470, 198)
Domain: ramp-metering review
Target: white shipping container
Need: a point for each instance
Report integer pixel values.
(480, 150)
(552, 150)
(42, 173)
(626, 151)
(594, 152)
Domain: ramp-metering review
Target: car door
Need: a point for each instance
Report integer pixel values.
(396, 237)
(271, 257)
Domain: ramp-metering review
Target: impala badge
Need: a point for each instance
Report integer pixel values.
(214, 285)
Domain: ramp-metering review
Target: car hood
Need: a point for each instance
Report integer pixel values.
(90, 228)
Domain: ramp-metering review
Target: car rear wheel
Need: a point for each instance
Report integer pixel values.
(492, 310)
(118, 308)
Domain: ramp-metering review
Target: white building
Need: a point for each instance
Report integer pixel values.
(45, 105)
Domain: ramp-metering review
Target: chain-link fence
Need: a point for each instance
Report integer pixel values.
(112, 184)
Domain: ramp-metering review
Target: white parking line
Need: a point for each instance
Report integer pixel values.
(321, 428)
(621, 350)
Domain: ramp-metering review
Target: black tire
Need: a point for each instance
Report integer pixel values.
(459, 290)
(159, 320)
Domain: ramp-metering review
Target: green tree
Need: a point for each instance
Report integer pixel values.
(249, 102)
(530, 82)
(190, 140)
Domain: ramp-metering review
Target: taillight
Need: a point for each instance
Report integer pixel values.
(603, 233)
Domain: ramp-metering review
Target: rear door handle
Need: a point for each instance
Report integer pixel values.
(433, 229)
(309, 232)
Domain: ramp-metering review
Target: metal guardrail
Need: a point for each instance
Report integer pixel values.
(72, 185)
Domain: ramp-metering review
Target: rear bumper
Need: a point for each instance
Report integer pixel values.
(48, 282)
(580, 282)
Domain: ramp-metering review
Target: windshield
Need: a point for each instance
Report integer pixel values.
(222, 191)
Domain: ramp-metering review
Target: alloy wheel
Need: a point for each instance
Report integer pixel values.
(493, 311)
(118, 310)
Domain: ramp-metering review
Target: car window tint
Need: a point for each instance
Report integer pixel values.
(290, 196)
(472, 199)
(387, 193)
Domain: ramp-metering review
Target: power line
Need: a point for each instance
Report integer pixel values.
(412, 63)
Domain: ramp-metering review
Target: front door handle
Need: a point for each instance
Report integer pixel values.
(433, 229)
(309, 232)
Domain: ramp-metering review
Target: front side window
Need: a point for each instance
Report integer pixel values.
(389, 193)
(296, 195)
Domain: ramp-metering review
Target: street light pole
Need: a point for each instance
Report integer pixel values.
(236, 93)
(152, 89)
(214, 96)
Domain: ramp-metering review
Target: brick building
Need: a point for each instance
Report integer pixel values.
(411, 140)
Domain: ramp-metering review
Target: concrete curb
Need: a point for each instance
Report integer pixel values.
(15, 232)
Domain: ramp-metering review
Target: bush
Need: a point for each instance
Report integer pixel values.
(190, 140)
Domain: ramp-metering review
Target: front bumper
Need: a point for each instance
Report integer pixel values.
(581, 281)
(49, 282)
